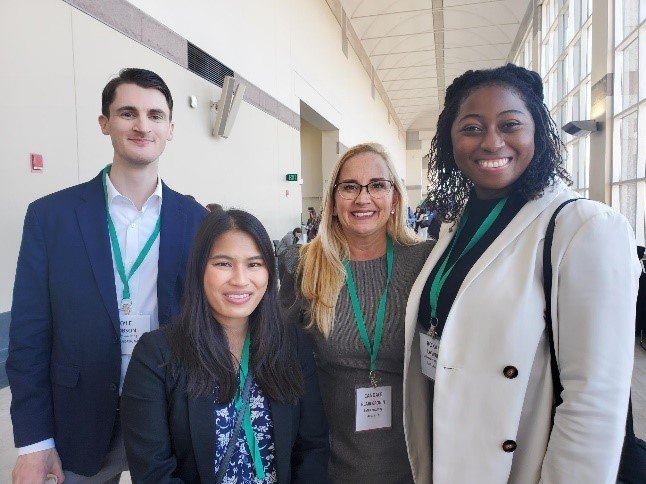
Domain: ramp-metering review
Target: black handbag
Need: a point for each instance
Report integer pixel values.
(632, 465)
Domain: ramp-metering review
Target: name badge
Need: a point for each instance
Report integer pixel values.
(132, 326)
(429, 349)
(374, 408)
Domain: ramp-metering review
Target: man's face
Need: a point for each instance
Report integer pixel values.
(139, 125)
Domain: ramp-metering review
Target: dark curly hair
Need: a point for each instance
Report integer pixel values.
(449, 187)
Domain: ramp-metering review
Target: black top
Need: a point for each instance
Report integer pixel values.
(169, 436)
(478, 211)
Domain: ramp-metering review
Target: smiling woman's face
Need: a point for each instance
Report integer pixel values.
(365, 215)
(235, 278)
(493, 139)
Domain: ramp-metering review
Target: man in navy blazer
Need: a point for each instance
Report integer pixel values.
(100, 263)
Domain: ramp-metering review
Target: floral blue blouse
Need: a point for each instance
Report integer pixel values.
(241, 467)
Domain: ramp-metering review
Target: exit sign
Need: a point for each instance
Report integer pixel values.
(291, 177)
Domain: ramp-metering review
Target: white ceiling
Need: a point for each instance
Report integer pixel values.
(418, 47)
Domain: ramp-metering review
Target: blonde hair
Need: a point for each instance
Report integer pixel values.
(321, 261)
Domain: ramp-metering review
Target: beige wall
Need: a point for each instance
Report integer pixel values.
(417, 167)
(311, 171)
(414, 177)
(37, 114)
(329, 153)
(57, 59)
(292, 50)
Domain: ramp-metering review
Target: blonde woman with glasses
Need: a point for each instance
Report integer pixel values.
(349, 289)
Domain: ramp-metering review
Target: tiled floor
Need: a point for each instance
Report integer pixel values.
(8, 453)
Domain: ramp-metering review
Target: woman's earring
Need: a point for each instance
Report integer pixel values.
(392, 211)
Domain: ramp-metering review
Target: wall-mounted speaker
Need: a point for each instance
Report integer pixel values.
(226, 108)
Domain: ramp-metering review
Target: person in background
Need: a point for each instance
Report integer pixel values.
(290, 238)
(214, 207)
(348, 289)
(411, 217)
(479, 401)
(229, 392)
(434, 225)
(312, 225)
(100, 264)
(419, 216)
(423, 223)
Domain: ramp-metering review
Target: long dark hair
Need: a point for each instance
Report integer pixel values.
(198, 344)
(449, 187)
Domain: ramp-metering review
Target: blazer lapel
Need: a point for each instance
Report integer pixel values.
(202, 422)
(281, 416)
(525, 217)
(171, 248)
(519, 223)
(91, 215)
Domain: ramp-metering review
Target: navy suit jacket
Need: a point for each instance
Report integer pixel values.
(170, 437)
(64, 348)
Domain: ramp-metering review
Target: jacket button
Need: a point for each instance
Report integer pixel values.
(113, 387)
(509, 446)
(510, 372)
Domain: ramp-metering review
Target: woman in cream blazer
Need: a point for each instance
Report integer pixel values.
(491, 409)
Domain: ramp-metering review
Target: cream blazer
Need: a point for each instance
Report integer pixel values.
(497, 321)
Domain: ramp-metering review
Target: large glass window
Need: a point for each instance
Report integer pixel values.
(629, 147)
(565, 68)
(629, 80)
(628, 15)
(524, 55)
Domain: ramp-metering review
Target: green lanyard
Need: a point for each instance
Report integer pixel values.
(443, 273)
(250, 437)
(116, 250)
(373, 349)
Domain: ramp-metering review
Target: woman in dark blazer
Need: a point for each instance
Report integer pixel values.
(186, 383)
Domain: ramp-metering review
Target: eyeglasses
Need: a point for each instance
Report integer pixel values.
(376, 189)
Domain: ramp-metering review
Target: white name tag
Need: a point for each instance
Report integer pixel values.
(132, 326)
(429, 348)
(374, 408)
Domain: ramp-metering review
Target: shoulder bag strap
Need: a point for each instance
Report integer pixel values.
(633, 457)
(547, 288)
(226, 459)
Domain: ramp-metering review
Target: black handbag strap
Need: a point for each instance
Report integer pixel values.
(547, 288)
(226, 458)
(632, 465)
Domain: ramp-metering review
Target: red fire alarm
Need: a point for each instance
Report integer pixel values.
(36, 162)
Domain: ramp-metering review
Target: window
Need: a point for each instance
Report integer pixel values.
(628, 137)
(629, 80)
(629, 149)
(524, 55)
(628, 15)
(565, 69)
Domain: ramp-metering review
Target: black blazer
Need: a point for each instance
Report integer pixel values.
(169, 437)
(64, 360)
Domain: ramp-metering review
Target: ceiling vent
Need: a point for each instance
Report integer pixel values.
(207, 66)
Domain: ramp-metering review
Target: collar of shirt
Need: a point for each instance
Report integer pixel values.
(133, 229)
(114, 196)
